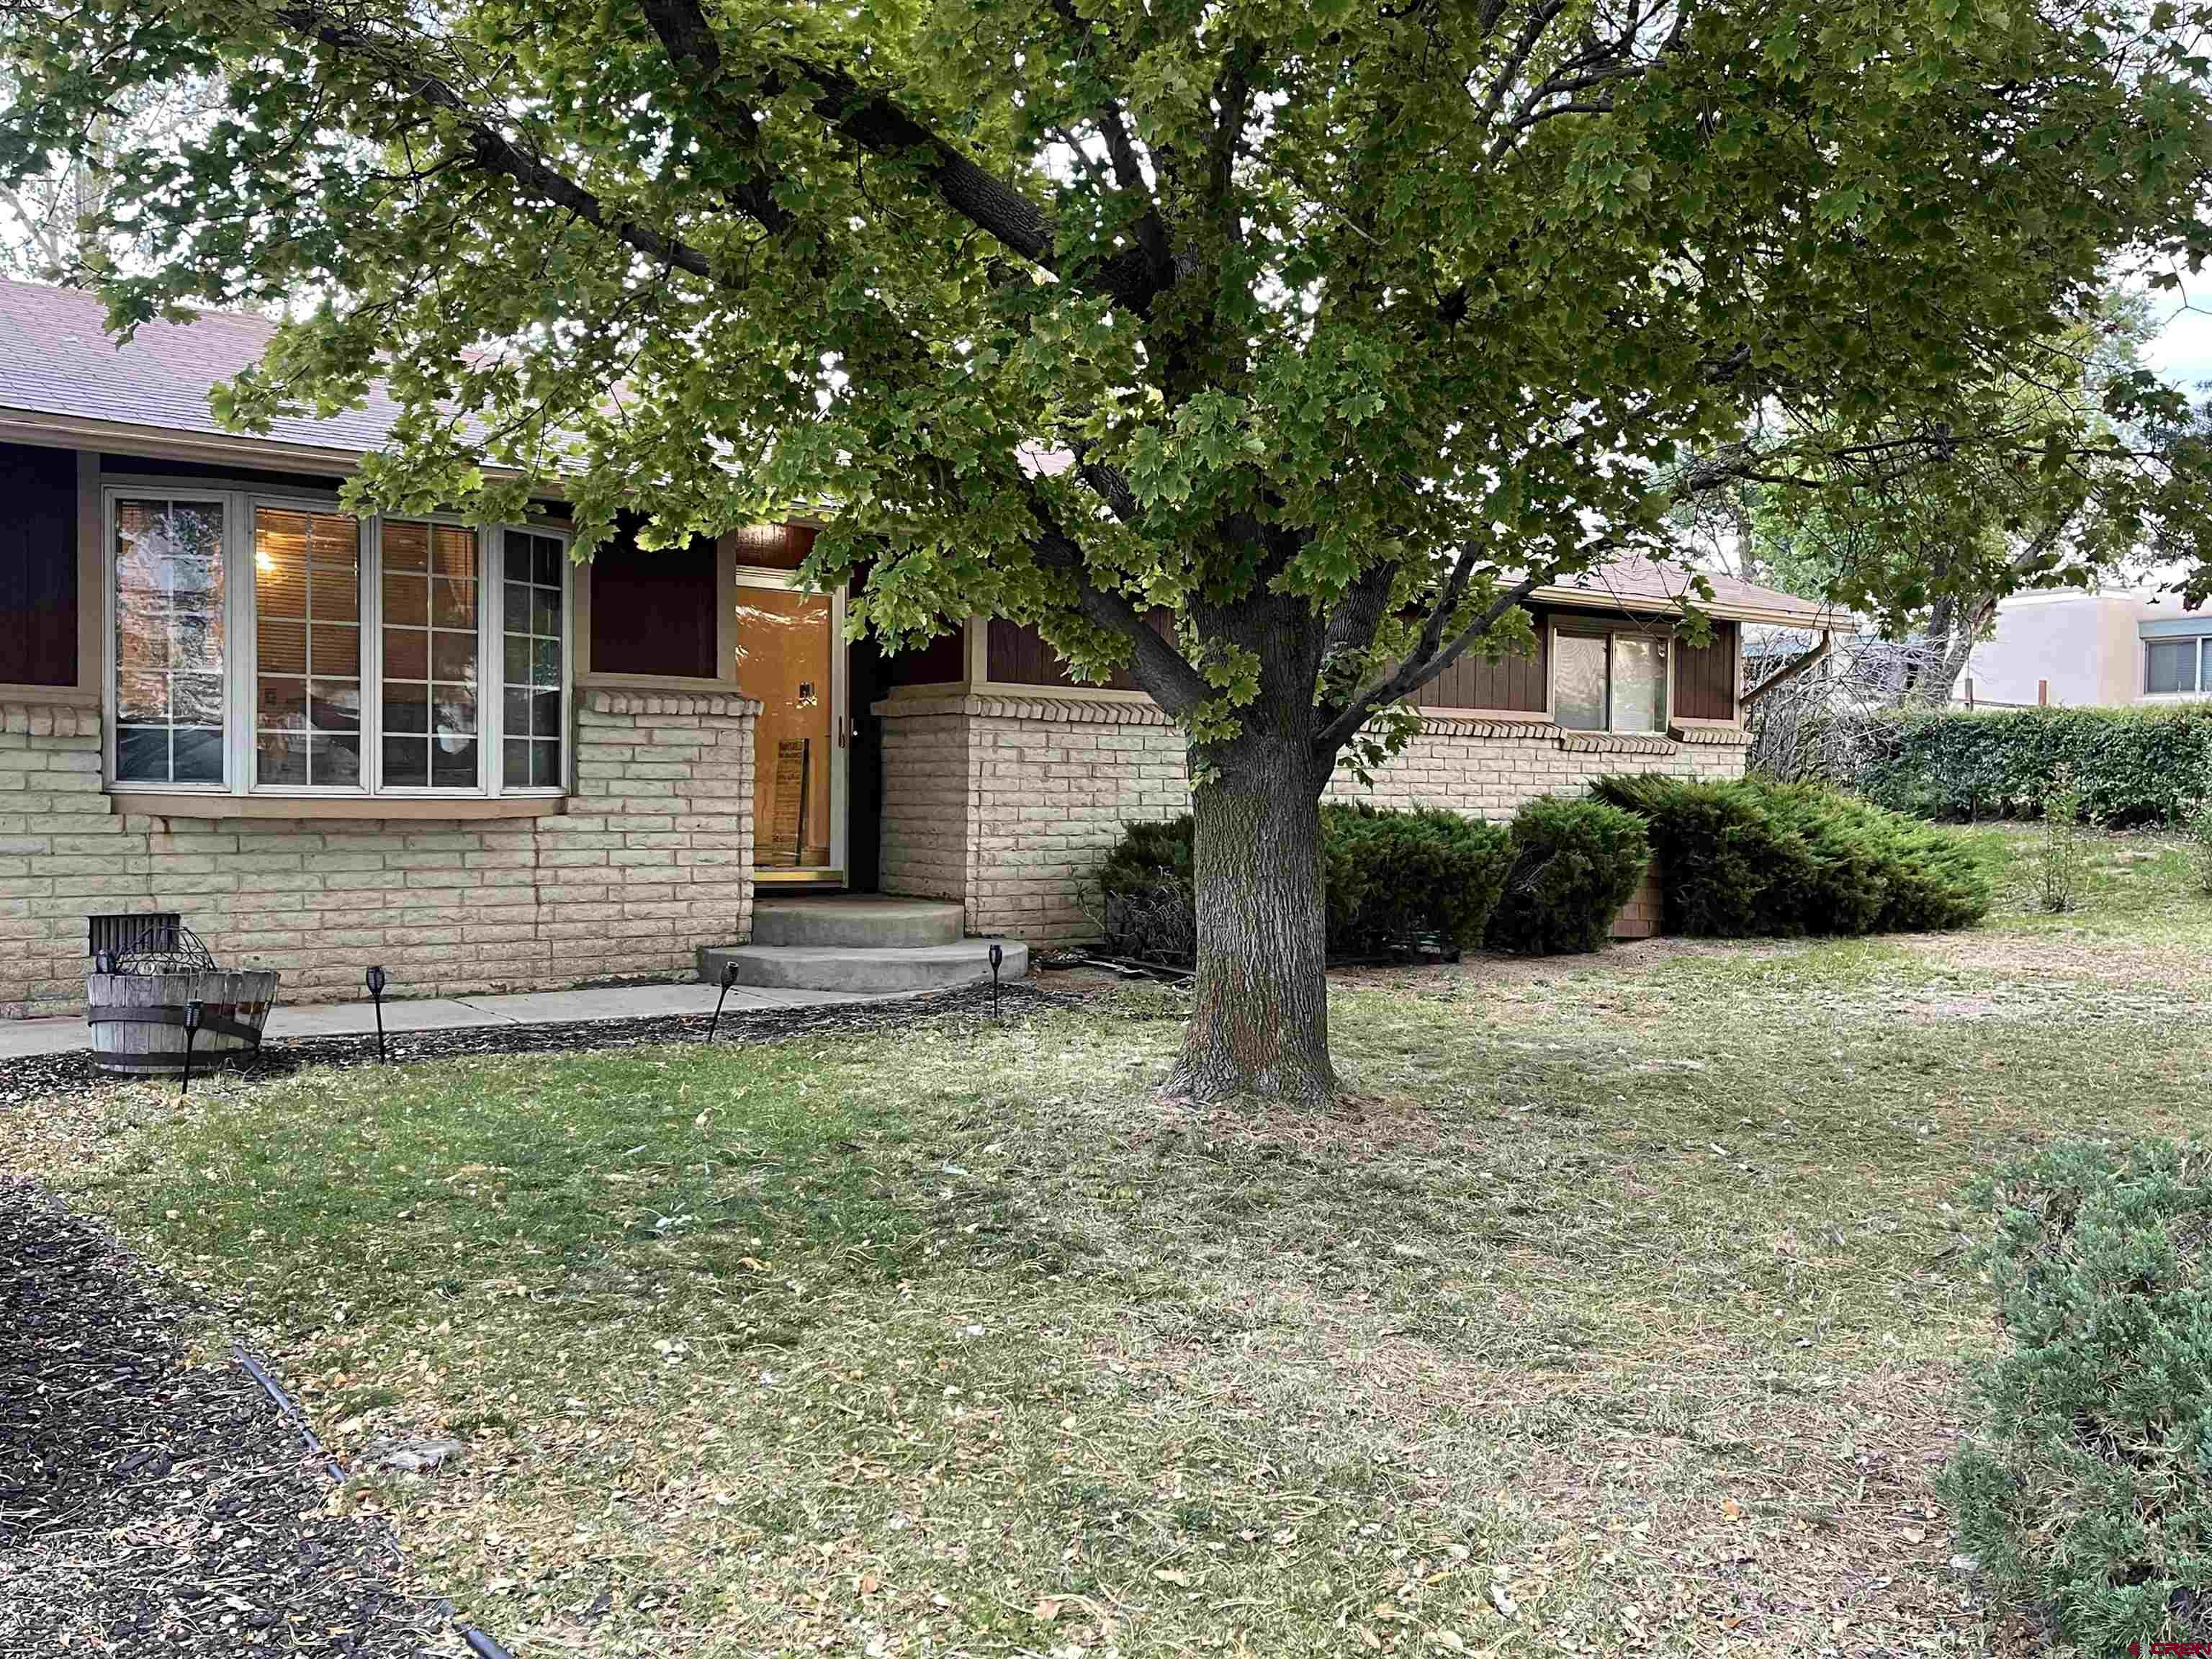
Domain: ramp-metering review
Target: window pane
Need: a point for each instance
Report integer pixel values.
(406, 653)
(407, 762)
(406, 546)
(453, 762)
(2170, 665)
(532, 655)
(280, 759)
(336, 760)
(406, 708)
(453, 708)
(453, 603)
(169, 576)
(281, 705)
(199, 754)
(335, 705)
(453, 657)
(406, 600)
(306, 641)
(1639, 684)
(337, 650)
(430, 648)
(1579, 682)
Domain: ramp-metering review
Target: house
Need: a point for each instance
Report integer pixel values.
(2101, 649)
(442, 748)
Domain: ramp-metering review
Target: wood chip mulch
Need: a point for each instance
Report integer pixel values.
(31, 1077)
(151, 1505)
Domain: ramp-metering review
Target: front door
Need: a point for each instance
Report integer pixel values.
(791, 656)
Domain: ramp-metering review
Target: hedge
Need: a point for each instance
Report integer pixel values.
(1754, 857)
(2133, 765)
(1575, 863)
(1392, 881)
(2084, 1484)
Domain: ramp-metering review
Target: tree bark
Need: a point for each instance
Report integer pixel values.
(1259, 1025)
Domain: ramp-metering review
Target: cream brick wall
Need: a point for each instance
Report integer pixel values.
(652, 859)
(1009, 803)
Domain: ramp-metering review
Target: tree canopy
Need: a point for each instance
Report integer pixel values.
(1331, 328)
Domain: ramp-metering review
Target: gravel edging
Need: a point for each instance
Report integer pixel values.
(35, 1077)
(151, 1505)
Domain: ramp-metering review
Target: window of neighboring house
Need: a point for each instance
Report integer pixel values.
(1609, 681)
(2171, 665)
(387, 656)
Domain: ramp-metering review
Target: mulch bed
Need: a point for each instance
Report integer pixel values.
(33, 1077)
(150, 1505)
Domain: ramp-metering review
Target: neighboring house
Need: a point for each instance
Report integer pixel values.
(2075, 650)
(440, 747)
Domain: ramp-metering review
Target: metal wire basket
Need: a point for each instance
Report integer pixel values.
(156, 942)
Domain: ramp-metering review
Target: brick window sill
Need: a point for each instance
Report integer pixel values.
(472, 810)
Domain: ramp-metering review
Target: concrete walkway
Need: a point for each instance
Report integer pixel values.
(54, 1036)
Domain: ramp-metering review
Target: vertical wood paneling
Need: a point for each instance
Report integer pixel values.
(1704, 676)
(1019, 656)
(1515, 681)
(655, 612)
(38, 566)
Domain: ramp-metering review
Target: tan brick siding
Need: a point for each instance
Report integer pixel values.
(1010, 802)
(653, 859)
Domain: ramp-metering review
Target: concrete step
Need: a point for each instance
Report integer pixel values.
(869, 970)
(858, 919)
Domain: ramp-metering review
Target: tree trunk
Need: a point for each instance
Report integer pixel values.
(1260, 1024)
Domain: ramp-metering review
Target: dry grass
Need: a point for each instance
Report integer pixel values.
(1626, 1316)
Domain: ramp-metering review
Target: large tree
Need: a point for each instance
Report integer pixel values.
(1331, 327)
(1929, 537)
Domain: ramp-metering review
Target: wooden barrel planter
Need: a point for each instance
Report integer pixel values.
(137, 1020)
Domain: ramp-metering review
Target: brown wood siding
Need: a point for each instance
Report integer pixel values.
(38, 566)
(770, 546)
(655, 612)
(1518, 681)
(943, 662)
(1019, 656)
(1704, 676)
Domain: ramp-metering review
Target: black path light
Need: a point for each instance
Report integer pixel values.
(997, 956)
(191, 1031)
(729, 978)
(376, 997)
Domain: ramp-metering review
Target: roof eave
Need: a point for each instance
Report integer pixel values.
(1652, 604)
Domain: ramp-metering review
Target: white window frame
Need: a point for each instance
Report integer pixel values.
(1606, 631)
(239, 505)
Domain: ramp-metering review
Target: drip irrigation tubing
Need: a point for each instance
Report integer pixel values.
(481, 1644)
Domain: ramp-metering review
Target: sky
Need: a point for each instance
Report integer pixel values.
(2183, 351)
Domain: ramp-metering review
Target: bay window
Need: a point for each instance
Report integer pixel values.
(1613, 680)
(275, 647)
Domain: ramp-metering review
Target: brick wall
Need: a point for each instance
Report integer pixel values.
(927, 851)
(1010, 802)
(652, 859)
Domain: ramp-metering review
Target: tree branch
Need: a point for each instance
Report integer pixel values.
(494, 152)
(1415, 672)
(1159, 668)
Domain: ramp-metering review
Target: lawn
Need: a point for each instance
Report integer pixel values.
(1626, 1315)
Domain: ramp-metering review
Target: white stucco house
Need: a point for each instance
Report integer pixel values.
(2078, 650)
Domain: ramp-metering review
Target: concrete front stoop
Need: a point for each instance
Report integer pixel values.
(858, 943)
